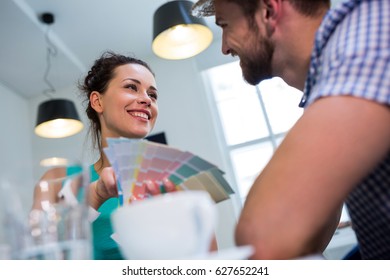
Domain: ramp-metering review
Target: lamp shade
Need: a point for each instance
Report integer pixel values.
(57, 118)
(177, 34)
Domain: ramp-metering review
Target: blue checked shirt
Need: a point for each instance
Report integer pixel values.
(351, 56)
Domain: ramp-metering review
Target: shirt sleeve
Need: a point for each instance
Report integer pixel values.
(356, 59)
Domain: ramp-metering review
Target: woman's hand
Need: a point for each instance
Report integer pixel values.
(104, 188)
(152, 188)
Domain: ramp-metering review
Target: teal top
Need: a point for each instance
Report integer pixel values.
(104, 247)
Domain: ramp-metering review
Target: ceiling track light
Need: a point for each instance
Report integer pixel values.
(177, 34)
(57, 118)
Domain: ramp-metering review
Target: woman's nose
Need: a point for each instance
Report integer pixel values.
(144, 98)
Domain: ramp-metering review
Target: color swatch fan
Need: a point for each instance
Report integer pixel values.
(135, 161)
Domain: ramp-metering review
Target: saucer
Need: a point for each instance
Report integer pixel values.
(234, 253)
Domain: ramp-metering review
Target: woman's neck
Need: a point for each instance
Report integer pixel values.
(101, 163)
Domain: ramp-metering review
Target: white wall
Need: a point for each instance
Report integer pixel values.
(15, 143)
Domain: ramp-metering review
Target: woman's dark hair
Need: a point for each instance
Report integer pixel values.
(98, 79)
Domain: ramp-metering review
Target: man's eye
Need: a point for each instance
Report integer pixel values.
(222, 25)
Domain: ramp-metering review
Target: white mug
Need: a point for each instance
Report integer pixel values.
(178, 225)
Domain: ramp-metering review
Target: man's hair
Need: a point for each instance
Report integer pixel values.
(310, 8)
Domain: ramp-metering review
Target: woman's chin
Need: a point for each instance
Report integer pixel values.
(138, 134)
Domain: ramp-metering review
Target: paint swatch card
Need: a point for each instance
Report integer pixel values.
(135, 161)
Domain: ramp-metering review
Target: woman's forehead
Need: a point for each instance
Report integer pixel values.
(135, 71)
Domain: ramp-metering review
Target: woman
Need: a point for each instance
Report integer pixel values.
(122, 102)
(122, 96)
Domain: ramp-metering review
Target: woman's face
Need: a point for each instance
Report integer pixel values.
(128, 108)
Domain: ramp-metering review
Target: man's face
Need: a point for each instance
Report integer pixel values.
(247, 41)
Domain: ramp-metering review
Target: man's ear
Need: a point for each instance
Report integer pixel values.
(271, 11)
(96, 101)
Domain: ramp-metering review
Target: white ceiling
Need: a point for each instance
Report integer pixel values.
(82, 30)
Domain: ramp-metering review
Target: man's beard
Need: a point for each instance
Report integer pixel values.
(256, 63)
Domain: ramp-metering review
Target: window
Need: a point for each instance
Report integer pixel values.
(252, 120)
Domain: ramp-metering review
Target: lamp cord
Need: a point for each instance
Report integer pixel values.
(51, 51)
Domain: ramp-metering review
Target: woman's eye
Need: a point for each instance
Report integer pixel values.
(153, 95)
(132, 86)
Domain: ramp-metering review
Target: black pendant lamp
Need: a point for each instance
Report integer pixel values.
(57, 118)
(177, 34)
